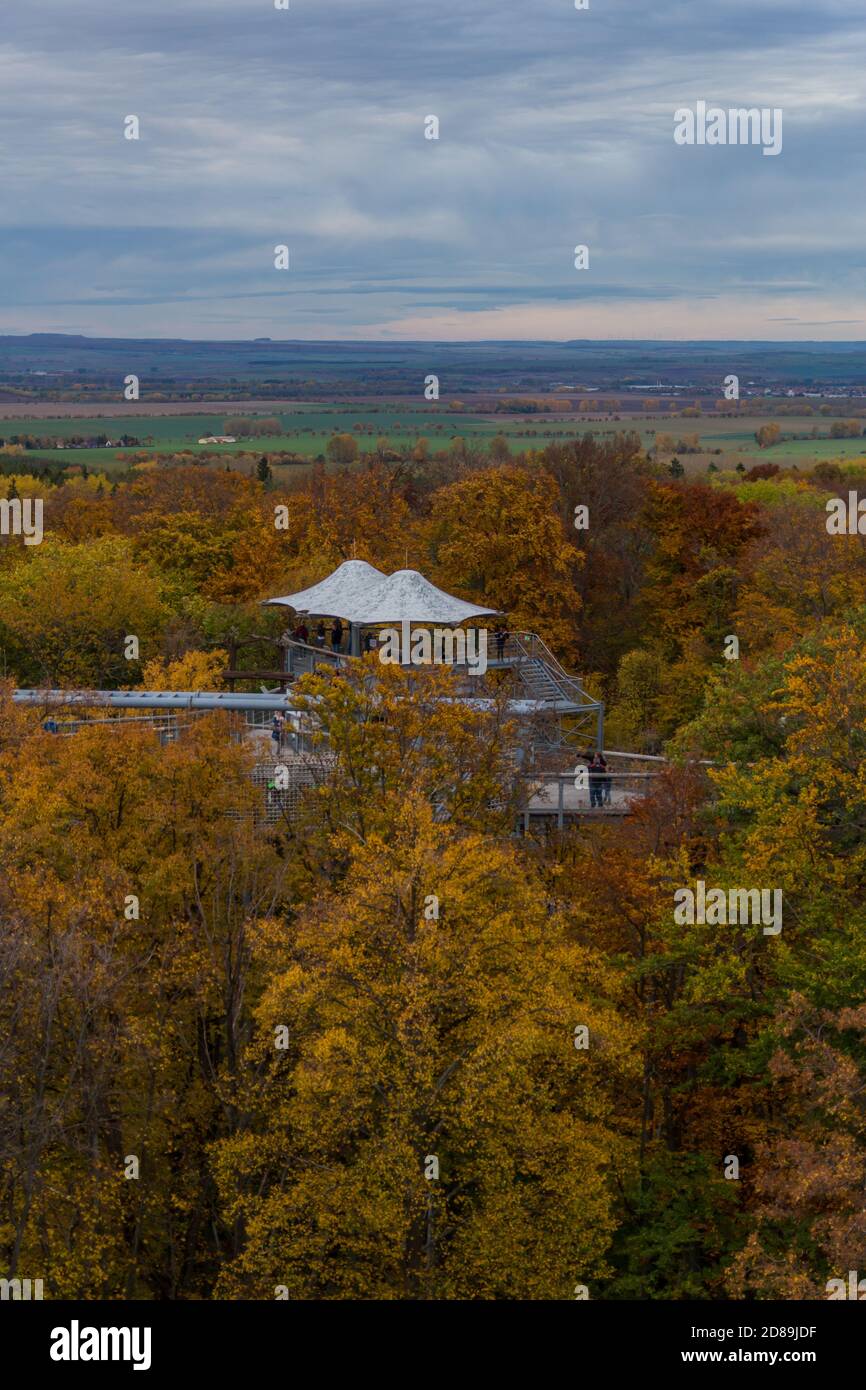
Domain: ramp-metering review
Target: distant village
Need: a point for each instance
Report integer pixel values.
(75, 441)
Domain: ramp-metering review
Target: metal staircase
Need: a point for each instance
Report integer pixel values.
(543, 675)
(538, 681)
(545, 679)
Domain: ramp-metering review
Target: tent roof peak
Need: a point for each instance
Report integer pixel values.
(359, 593)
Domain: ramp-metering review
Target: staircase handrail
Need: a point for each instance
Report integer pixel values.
(531, 647)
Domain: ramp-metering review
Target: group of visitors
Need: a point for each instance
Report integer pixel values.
(337, 634)
(302, 634)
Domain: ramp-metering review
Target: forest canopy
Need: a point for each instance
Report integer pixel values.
(387, 1048)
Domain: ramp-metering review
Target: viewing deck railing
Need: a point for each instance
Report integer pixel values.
(304, 657)
(165, 725)
(560, 795)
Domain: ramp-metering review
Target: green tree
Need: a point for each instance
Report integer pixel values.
(636, 711)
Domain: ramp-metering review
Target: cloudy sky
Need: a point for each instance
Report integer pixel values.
(306, 127)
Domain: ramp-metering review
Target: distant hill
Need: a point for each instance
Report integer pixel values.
(182, 367)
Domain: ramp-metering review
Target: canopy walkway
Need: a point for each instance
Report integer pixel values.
(540, 680)
(558, 721)
(555, 793)
(561, 725)
(356, 602)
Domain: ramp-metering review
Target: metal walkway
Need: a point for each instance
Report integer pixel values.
(563, 721)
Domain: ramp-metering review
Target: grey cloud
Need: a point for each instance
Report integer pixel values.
(260, 126)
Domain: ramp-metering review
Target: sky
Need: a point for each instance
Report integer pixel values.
(306, 128)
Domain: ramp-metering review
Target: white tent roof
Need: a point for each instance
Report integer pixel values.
(407, 595)
(360, 593)
(338, 596)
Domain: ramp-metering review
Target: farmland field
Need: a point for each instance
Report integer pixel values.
(306, 430)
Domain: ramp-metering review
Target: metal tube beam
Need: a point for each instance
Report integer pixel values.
(154, 699)
(211, 700)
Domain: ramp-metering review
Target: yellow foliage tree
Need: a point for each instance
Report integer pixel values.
(131, 874)
(66, 611)
(496, 537)
(427, 1127)
(194, 671)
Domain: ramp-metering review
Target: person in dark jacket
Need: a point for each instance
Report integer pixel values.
(277, 732)
(597, 769)
(320, 634)
(337, 635)
(606, 781)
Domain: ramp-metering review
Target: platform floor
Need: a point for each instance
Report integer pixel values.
(545, 801)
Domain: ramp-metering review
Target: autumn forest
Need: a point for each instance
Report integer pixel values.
(282, 1040)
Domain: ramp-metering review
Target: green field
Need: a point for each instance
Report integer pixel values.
(307, 429)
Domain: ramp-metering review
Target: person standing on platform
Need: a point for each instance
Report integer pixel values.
(277, 732)
(606, 781)
(596, 780)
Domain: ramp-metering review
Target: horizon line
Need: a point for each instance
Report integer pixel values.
(445, 342)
